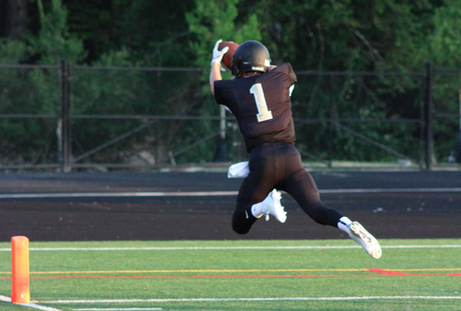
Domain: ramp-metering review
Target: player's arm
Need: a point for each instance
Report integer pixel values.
(215, 73)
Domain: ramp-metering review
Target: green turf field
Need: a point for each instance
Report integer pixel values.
(239, 275)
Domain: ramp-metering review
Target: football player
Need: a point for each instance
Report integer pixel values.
(259, 97)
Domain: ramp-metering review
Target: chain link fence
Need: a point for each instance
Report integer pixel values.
(447, 114)
(72, 118)
(362, 117)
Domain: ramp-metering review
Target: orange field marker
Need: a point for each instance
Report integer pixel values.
(20, 292)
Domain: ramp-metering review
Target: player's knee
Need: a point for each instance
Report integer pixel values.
(240, 230)
(239, 227)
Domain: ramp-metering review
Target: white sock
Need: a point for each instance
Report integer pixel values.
(343, 224)
(258, 209)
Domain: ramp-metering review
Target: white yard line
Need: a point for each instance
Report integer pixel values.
(224, 248)
(253, 299)
(117, 309)
(29, 305)
(153, 300)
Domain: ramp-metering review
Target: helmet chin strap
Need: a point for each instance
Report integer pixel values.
(250, 73)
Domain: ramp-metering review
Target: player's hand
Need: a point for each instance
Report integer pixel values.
(218, 54)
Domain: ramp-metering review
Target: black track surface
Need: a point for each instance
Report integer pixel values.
(419, 212)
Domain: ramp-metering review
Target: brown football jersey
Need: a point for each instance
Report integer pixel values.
(261, 104)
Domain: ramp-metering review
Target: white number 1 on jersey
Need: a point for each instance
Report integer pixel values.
(263, 113)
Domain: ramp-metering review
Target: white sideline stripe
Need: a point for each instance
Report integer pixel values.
(390, 190)
(30, 305)
(193, 248)
(206, 193)
(114, 309)
(253, 299)
(114, 194)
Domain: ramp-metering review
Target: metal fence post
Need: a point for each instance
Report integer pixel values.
(429, 116)
(331, 122)
(422, 124)
(65, 118)
(221, 152)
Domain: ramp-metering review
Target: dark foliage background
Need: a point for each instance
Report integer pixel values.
(316, 36)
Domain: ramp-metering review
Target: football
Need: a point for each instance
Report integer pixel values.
(227, 58)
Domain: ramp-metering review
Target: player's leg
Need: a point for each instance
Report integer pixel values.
(251, 193)
(302, 187)
(310, 202)
(254, 189)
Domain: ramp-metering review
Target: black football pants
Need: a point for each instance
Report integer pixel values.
(279, 166)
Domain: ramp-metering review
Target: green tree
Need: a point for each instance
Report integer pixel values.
(214, 20)
(352, 35)
(443, 44)
(54, 42)
(154, 32)
(442, 47)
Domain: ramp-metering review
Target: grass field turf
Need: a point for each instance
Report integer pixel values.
(239, 275)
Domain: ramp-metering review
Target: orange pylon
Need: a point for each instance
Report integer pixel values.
(20, 292)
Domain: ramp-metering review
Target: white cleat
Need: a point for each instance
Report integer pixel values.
(365, 239)
(274, 207)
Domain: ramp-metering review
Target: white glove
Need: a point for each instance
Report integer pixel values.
(217, 54)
